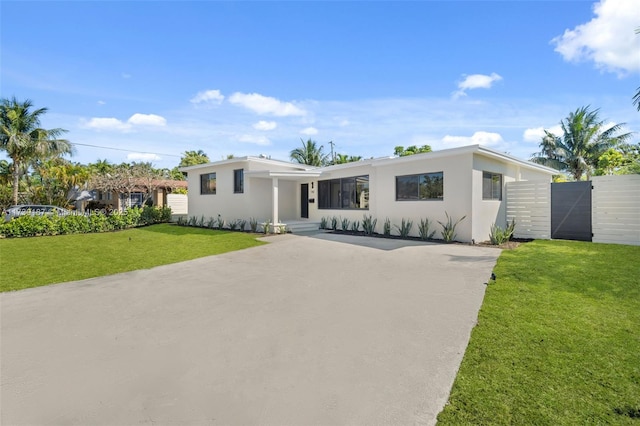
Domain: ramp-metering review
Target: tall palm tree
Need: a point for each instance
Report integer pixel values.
(584, 138)
(310, 154)
(24, 140)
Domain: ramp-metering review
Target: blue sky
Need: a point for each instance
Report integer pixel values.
(249, 78)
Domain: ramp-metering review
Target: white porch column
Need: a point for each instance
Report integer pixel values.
(274, 200)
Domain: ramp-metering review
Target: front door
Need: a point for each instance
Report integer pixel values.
(304, 200)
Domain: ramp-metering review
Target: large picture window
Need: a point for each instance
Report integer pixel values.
(208, 183)
(424, 186)
(238, 181)
(344, 193)
(491, 186)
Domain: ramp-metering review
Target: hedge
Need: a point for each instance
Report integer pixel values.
(32, 226)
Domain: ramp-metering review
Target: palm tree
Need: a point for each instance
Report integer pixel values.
(584, 139)
(24, 140)
(310, 154)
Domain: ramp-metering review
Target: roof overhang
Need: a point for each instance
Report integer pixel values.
(285, 175)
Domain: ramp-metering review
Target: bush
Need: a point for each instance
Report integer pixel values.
(345, 224)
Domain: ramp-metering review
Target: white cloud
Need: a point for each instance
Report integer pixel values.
(101, 102)
(109, 123)
(537, 133)
(208, 96)
(139, 156)
(476, 81)
(309, 131)
(265, 105)
(125, 75)
(478, 138)
(147, 120)
(103, 123)
(254, 139)
(609, 39)
(265, 125)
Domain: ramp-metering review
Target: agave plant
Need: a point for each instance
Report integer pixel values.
(369, 224)
(449, 228)
(386, 228)
(404, 228)
(355, 226)
(345, 224)
(424, 229)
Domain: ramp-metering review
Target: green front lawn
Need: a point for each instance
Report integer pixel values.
(33, 262)
(557, 340)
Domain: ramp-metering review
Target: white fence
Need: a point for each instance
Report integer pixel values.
(615, 209)
(529, 204)
(178, 203)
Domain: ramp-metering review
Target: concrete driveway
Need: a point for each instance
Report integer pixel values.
(307, 330)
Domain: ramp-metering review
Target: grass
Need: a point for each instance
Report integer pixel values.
(33, 262)
(557, 340)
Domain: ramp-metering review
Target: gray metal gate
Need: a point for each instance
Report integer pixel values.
(571, 211)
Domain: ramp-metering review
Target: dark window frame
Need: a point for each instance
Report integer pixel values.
(205, 186)
(344, 193)
(489, 193)
(238, 181)
(420, 181)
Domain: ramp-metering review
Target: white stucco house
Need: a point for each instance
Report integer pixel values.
(467, 181)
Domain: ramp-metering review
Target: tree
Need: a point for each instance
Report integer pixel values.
(411, 150)
(310, 154)
(193, 158)
(585, 137)
(344, 158)
(24, 140)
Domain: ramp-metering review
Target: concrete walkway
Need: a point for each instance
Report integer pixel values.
(307, 330)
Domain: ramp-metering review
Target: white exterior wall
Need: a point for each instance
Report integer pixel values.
(488, 212)
(254, 202)
(315, 214)
(456, 194)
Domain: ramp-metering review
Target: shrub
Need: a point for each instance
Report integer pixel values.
(334, 223)
(386, 228)
(424, 228)
(449, 228)
(345, 224)
(242, 224)
(355, 226)
(192, 221)
(220, 222)
(211, 223)
(369, 224)
(404, 228)
(253, 224)
(233, 225)
(323, 223)
(499, 236)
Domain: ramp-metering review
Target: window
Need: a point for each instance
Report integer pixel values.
(491, 186)
(425, 186)
(208, 183)
(344, 193)
(238, 181)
